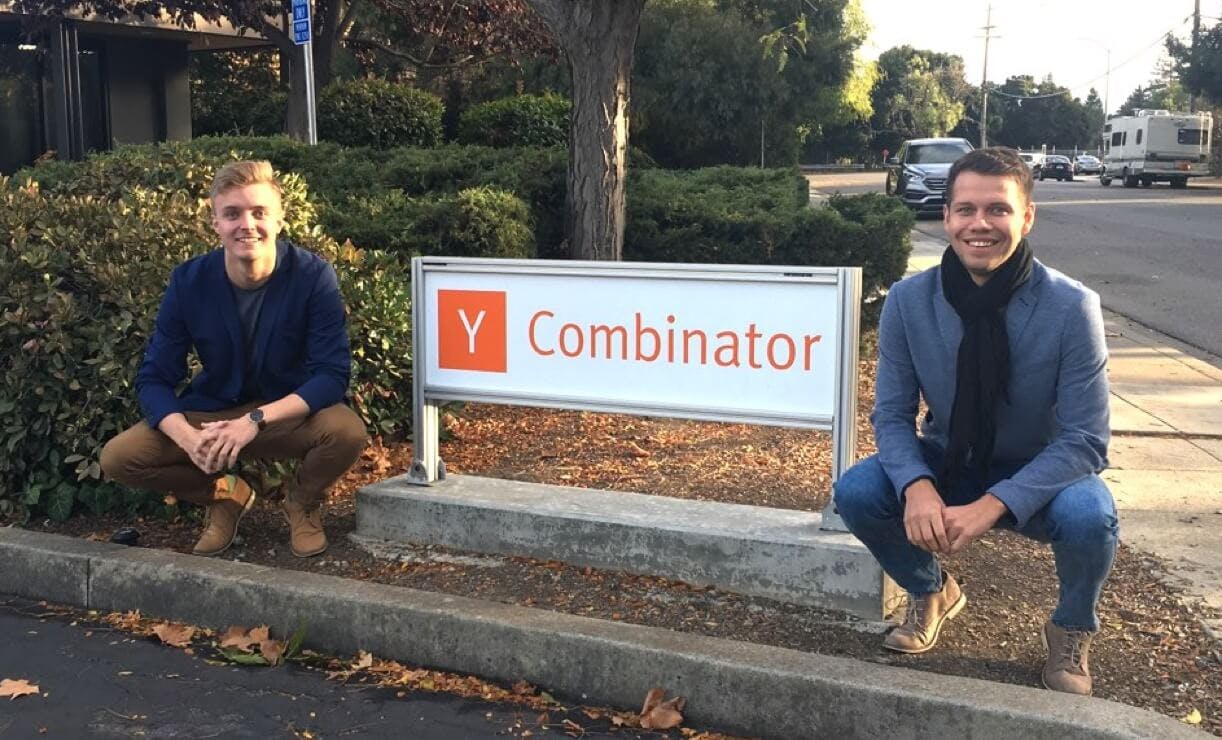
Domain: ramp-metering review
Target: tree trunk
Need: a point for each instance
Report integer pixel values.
(599, 39)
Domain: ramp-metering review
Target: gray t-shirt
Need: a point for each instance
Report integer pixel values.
(250, 306)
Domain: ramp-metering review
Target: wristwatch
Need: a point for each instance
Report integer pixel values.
(256, 418)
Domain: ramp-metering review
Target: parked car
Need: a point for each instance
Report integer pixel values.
(1057, 166)
(1087, 164)
(917, 173)
(1034, 161)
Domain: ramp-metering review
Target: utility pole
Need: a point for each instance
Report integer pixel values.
(984, 83)
(1196, 40)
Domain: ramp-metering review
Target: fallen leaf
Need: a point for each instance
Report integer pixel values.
(237, 637)
(259, 634)
(273, 650)
(363, 660)
(661, 715)
(1193, 718)
(652, 699)
(174, 635)
(13, 688)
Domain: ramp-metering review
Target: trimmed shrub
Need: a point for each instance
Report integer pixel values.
(729, 215)
(478, 222)
(534, 174)
(81, 277)
(379, 114)
(521, 120)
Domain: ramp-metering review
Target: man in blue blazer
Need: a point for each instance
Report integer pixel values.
(266, 320)
(1009, 358)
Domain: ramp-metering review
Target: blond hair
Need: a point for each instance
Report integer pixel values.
(241, 174)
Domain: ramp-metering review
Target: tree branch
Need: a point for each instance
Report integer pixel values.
(409, 57)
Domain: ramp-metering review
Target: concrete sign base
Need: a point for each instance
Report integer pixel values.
(774, 553)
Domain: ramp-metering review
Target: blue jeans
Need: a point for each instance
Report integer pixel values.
(1080, 523)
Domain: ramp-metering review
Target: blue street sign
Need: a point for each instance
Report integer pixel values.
(301, 21)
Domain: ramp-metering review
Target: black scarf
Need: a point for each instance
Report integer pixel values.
(982, 370)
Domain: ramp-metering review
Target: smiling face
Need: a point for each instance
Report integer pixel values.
(248, 219)
(987, 217)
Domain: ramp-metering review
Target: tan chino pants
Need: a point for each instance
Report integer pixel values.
(326, 443)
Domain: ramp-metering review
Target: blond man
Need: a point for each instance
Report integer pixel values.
(266, 320)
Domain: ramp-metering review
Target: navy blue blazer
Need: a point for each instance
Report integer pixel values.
(1055, 424)
(301, 344)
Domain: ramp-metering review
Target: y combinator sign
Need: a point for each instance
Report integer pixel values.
(743, 343)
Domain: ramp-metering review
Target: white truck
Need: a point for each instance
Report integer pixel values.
(1156, 145)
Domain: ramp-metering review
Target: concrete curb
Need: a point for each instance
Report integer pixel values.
(734, 686)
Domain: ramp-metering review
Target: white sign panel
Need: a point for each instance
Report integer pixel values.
(757, 344)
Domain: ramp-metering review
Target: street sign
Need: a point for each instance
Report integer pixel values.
(301, 21)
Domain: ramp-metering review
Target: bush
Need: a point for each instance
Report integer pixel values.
(749, 216)
(81, 277)
(522, 120)
(728, 215)
(534, 174)
(379, 114)
(478, 222)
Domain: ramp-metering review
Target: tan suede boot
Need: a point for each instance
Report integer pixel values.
(1068, 666)
(925, 617)
(231, 499)
(306, 536)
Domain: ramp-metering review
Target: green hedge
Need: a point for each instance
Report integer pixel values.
(81, 276)
(521, 120)
(751, 216)
(378, 113)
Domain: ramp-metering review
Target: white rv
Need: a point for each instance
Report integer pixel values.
(1156, 145)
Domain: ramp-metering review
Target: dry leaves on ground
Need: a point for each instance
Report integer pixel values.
(659, 713)
(174, 635)
(13, 688)
(239, 644)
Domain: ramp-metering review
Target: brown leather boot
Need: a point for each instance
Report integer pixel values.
(231, 499)
(925, 617)
(1068, 666)
(306, 537)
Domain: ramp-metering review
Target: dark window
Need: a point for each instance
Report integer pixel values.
(1139, 135)
(1116, 138)
(21, 104)
(1190, 136)
(1124, 137)
(94, 114)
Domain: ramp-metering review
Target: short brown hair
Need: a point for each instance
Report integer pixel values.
(996, 160)
(241, 174)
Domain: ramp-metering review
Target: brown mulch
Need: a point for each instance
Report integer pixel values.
(1152, 651)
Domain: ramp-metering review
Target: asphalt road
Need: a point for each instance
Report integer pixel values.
(1153, 254)
(97, 682)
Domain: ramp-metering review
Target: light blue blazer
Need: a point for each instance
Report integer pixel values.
(1055, 424)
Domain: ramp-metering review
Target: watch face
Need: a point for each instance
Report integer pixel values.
(256, 416)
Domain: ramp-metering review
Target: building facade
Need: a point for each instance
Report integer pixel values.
(75, 85)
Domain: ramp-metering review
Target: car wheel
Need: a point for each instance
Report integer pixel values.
(1041, 177)
(1105, 181)
(1130, 181)
(1147, 182)
(1179, 182)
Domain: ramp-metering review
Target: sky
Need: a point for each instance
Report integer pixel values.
(1069, 39)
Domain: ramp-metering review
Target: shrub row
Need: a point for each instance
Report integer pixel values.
(382, 114)
(81, 276)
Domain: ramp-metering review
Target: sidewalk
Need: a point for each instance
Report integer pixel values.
(1166, 450)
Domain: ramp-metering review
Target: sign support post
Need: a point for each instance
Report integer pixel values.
(302, 36)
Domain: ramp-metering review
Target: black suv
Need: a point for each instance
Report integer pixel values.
(1057, 166)
(917, 173)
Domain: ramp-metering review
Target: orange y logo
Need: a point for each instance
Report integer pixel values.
(471, 330)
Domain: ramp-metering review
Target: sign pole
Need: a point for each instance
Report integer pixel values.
(302, 36)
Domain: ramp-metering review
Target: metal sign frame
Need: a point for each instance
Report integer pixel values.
(428, 467)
